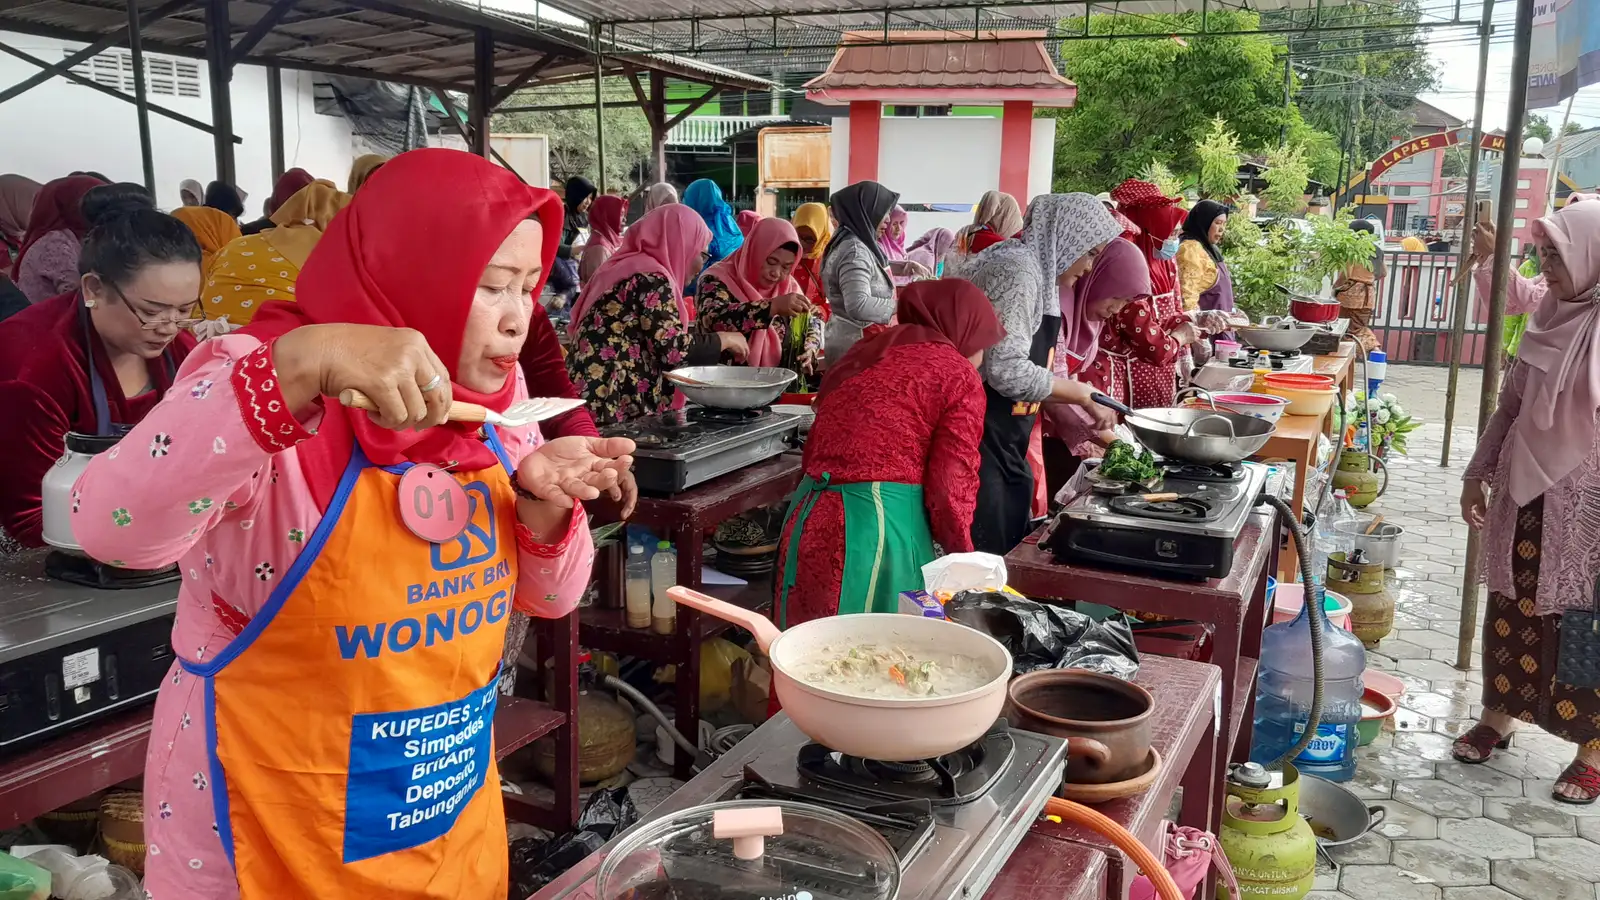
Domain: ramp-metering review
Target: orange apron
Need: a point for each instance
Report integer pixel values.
(350, 723)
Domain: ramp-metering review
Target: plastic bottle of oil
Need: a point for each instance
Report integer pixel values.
(663, 575)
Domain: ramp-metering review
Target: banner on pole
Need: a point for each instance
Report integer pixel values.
(1564, 50)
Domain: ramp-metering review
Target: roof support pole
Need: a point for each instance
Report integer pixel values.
(482, 99)
(1505, 214)
(1458, 326)
(62, 67)
(658, 131)
(141, 103)
(109, 92)
(599, 113)
(219, 65)
(275, 120)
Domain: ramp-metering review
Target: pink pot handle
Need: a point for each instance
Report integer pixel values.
(1097, 753)
(753, 622)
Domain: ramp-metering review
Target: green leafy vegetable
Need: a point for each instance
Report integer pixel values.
(1123, 463)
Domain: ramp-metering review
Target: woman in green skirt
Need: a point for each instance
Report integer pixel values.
(891, 465)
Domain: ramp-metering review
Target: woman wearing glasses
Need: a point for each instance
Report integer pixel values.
(97, 359)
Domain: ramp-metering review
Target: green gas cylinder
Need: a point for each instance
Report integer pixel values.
(1271, 848)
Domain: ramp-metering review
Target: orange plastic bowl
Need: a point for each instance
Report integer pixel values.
(1302, 381)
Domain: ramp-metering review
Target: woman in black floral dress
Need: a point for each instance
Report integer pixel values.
(631, 324)
(753, 292)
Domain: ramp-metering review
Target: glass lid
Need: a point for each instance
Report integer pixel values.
(751, 850)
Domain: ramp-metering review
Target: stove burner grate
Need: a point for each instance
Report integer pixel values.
(955, 778)
(1183, 509)
(713, 416)
(1202, 472)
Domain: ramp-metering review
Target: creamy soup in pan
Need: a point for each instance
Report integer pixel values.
(881, 670)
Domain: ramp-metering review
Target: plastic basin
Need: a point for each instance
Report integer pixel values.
(1376, 706)
(1384, 683)
(1304, 402)
(1288, 599)
(1306, 381)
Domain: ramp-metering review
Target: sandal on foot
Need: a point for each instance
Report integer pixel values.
(1481, 739)
(1582, 776)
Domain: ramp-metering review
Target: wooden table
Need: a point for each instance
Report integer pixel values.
(1235, 606)
(684, 518)
(1183, 729)
(1296, 440)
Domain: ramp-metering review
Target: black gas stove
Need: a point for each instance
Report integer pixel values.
(682, 448)
(1280, 359)
(1191, 536)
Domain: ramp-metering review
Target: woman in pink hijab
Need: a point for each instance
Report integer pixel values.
(1540, 458)
(631, 325)
(746, 219)
(753, 292)
(605, 234)
(1120, 276)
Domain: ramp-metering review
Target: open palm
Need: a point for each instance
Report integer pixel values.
(575, 468)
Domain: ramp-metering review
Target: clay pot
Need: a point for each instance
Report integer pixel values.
(1105, 720)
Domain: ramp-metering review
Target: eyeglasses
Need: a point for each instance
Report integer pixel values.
(181, 318)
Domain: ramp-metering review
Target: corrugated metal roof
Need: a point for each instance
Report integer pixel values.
(925, 62)
(425, 42)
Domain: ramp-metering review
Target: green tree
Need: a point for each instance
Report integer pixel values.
(1218, 154)
(572, 132)
(1572, 128)
(1288, 172)
(1153, 99)
(1538, 126)
(1362, 85)
(1162, 177)
(1456, 159)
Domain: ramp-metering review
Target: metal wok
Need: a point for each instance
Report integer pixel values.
(896, 729)
(1282, 336)
(1194, 435)
(731, 387)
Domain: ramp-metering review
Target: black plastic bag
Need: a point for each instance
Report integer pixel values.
(535, 862)
(1045, 636)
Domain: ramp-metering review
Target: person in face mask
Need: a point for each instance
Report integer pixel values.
(1147, 345)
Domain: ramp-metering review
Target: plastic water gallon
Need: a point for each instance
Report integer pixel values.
(1283, 695)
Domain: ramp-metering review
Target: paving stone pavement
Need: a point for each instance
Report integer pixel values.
(1452, 831)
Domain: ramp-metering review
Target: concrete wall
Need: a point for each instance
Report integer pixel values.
(61, 126)
(943, 159)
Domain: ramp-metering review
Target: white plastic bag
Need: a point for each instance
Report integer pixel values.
(949, 575)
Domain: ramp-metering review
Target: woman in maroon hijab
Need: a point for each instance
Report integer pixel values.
(891, 464)
(96, 359)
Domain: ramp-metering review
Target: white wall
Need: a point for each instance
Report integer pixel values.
(61, 126)
(944, 159)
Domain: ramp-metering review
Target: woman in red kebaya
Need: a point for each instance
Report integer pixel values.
(891, 465)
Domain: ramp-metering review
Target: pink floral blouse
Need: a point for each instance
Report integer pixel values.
(210, 480)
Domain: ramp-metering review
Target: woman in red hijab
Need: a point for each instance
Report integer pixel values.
(287, 185)
(1146, 344)
(46, 265)
(97, 359)
(753, 292)
(891, 464)
(350, 576)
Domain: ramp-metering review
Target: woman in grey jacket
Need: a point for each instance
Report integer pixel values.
(1027, 279)
(855, 272)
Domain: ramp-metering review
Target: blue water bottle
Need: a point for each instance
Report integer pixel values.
(1283, 693)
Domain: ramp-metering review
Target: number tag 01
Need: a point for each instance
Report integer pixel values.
(433, 504)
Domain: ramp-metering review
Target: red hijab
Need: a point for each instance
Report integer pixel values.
(1157, 217)
(950, 311)
(407, 253)
(56, 208)
(288, 184)
(605, 220)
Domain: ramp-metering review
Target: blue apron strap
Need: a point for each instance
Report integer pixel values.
(97, 387)
(499, 449)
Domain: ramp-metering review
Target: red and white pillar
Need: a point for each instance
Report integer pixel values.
(866, 127)
(1016, 147)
